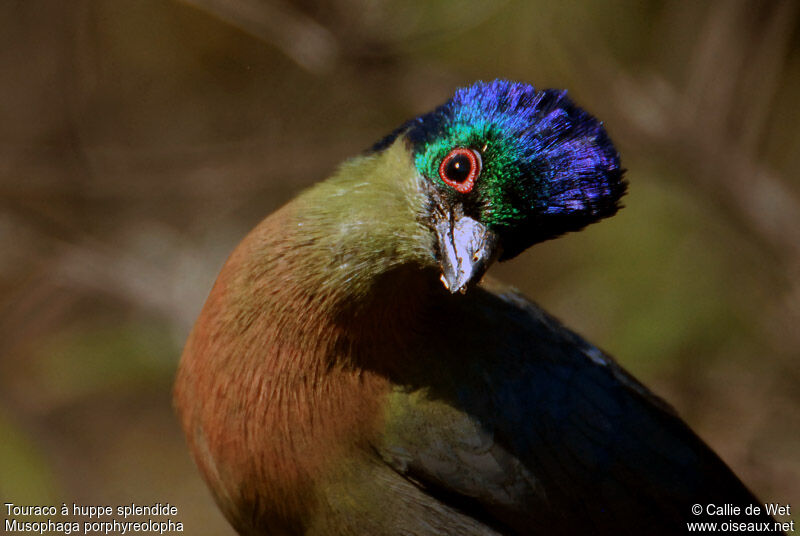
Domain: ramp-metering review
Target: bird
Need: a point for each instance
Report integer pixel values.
(355, 371)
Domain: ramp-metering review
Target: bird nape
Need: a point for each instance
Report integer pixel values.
(353, 373)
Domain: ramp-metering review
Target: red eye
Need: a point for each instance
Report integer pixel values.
(460, 168)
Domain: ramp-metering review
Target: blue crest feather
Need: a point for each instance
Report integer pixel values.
(550, 168)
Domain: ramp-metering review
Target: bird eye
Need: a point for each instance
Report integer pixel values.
(460, 168)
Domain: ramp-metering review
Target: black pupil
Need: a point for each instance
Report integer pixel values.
(458, 167)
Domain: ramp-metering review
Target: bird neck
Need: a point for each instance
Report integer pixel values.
(351, 251)
(361, 227)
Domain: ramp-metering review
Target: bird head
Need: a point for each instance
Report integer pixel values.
(505, 166)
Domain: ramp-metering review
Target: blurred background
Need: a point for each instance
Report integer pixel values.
(141, 139)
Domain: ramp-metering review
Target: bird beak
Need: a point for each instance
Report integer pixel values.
(466, 250)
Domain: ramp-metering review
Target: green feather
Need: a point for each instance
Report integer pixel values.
(362, 222)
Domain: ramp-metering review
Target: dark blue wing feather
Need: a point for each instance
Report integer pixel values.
(523, 424)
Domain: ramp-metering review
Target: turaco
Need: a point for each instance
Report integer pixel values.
(350, 373)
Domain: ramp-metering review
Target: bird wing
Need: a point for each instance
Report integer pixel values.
(519, 422)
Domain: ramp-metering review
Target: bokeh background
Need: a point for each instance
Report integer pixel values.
(141, 139)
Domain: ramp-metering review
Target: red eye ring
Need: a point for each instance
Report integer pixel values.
(460, 168)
